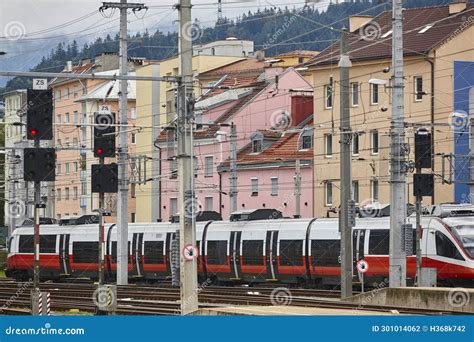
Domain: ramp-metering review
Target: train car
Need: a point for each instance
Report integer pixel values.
(297, 251)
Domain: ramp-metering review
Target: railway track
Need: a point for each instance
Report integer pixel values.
(165, 300)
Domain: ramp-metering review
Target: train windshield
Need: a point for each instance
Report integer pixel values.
(465, 234)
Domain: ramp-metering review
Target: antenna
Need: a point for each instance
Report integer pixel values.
(219, 11)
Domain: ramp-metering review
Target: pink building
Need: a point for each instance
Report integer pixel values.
(258, 99)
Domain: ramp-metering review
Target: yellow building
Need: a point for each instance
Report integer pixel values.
(435, 39)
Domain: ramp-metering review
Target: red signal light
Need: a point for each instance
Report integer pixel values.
(99, 151)
(33, 132)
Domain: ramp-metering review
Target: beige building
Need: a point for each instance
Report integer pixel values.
(75, 102)
(434, 39)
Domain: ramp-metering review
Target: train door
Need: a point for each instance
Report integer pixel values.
(358, 239)
(271, 247)
(169, 238)
(235, 238)
(64, 254)
(137, 254)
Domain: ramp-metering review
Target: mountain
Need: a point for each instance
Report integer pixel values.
(274, 29)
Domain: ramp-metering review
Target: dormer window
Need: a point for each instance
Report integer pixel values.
(306, 139)
(257, 142)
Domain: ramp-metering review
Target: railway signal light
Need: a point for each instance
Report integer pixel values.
(104, 178)
(423, 184)
(423, 149)
(39, 115)
(104, 135)
(39, 164)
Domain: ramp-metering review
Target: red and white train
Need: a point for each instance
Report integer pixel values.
(301, 251)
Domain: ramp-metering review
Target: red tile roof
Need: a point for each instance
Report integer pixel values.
(299, 53)
(241, 67)
(445, 26)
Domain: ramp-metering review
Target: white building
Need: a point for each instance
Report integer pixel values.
(229, 47)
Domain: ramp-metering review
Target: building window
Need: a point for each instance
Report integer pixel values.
(254, 185)
(329, 96)
(307, 142)
(58, 194)
(328, 193)
(133, 217)
(74, 142)
(76, 117)
(58, 168)
(209, 203)
(76, 167)
(66, 194)
(355, 144)
(274, 181)
(83, 188)
(66, 93)
(375, 141)
(133, 113)
(355, 191)
(66, 118)
(57, 95)
(173, 206)
(133, 189)
(374, 94)
(355, 94)
(208, 166)
(74, 193)
(58, 118)
(134, 138)
(374, 188)
(418, 85)
(76, 90)
(328, 144)
(67, 168)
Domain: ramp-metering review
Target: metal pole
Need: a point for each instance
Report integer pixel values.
(12, 186)
(188, 269)
(419, 199)
(298, 188)
(36, 270)
(233, 168)
(122, 160)
(101, 234)
(398, 200)
(346, 174)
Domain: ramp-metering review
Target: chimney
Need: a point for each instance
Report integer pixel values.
(457, 7)
(357, 21)
(260, 55)
(69, 66)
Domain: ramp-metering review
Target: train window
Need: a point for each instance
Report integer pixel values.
(465, 235)
(85, 252)
(445, 248)
(252, 252)
(154, 252)
(26, 244)
(325, 252)
(48, 244)
(379, 242)
(291, 252)
(217, 252)
(114, 251)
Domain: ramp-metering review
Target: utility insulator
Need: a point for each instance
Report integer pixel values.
(407, 239)
(352, 213)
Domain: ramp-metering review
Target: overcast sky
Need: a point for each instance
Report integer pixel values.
(37, 16)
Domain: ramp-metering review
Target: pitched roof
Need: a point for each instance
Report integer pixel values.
(241, 67)
(299, 53)
(373, 40)
(285, 148)
(77, 69)
(110, 89)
